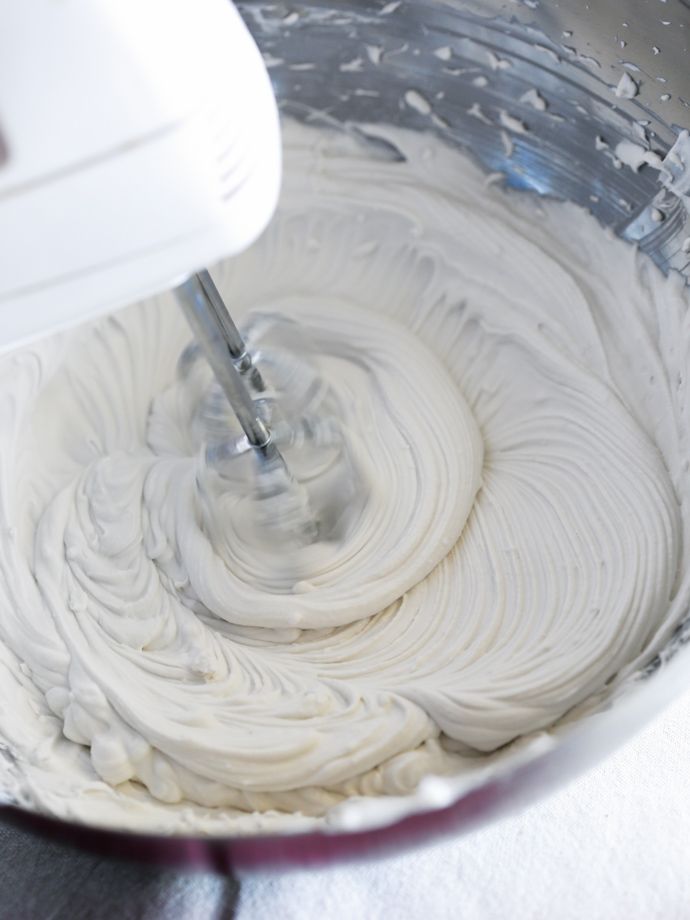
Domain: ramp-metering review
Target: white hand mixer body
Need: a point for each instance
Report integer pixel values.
(139, 142)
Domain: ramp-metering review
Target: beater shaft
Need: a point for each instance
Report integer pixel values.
(225, 350)
(238, 350)
(282, 503)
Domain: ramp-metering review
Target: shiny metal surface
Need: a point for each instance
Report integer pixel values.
(650, 35)
(223, 347)
(425, 65)
(458, 70)
(280, 502)
(241, 358)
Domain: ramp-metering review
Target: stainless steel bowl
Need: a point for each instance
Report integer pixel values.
(426, 65)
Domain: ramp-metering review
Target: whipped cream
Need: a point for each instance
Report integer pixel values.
(165, 672)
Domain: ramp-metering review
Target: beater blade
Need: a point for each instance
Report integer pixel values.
(282, 504)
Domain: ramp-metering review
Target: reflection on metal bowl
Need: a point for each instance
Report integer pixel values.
(555, 76)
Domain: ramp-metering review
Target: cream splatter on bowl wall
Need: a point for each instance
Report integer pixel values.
(515, 94)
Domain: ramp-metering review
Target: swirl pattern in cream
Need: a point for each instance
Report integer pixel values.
(494, 579)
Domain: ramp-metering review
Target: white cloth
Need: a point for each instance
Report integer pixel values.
(615, 843)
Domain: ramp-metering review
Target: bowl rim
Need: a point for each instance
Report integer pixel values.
(581, 746)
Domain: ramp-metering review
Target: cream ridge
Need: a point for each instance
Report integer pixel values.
(510, 381)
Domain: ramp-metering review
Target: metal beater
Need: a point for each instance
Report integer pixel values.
(284, 502)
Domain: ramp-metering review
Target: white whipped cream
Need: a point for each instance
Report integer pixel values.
(162, 673)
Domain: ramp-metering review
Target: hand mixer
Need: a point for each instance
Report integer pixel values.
(139, 141)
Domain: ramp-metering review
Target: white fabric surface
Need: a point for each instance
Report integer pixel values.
(614, 844)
